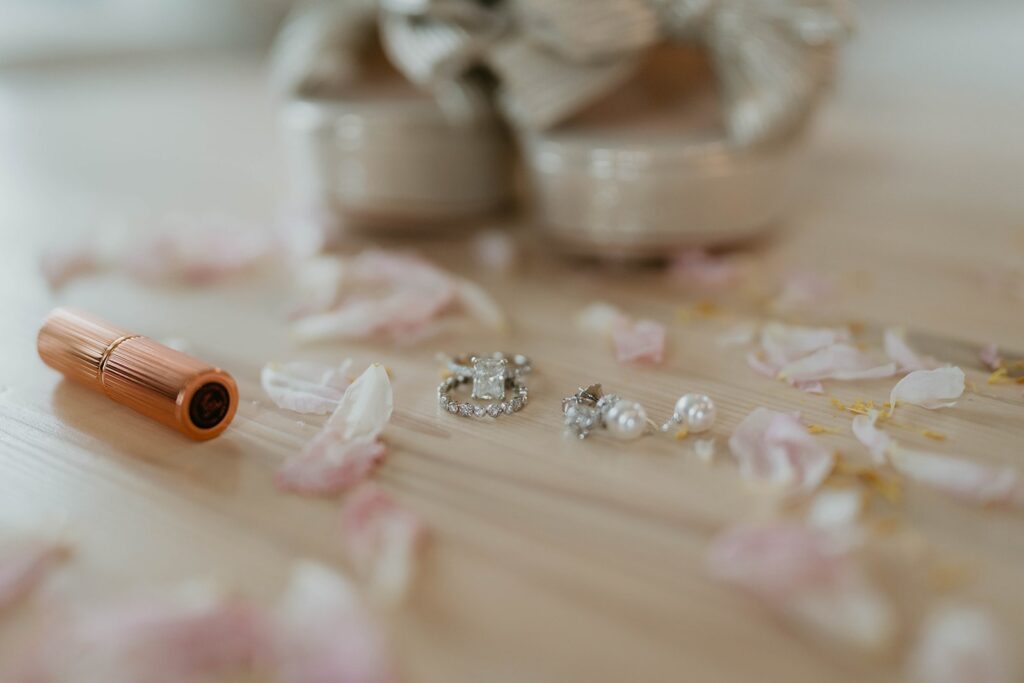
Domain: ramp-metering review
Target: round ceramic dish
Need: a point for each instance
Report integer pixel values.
(396, 162)
(608, 196)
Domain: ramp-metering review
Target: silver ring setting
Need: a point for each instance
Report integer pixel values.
(496, 381)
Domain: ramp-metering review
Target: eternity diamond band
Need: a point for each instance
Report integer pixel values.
(493, 408)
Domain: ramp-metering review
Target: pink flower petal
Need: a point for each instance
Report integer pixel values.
(989, 357)
(839, 361)
(382, 540)
(197, 256)
(775, 447)
(697, 268)
(322, 633)
(642, 341)
(899, 351)
(390, 295)
(62, 264)
(967, 480)
(23, 567)
(961, 644)
(876, 440)
(329, 464)
(939, 388)
(305, 386)
(191, 634)
(808, 575)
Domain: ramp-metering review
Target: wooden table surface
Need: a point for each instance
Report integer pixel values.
(551, 560)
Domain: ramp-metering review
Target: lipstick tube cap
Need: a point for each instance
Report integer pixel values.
(165, 385)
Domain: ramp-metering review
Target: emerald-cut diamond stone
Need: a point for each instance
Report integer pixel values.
(489, 379)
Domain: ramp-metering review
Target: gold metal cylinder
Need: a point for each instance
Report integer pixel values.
(182, 392)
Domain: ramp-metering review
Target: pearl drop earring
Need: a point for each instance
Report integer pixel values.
(694, 412)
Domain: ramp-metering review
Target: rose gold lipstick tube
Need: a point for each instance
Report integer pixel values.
(182, 392)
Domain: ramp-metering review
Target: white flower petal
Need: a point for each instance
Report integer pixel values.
(876, 440)
(967, 480)
(836, 508)
(784, 344)
(600, 318)
(939, 388)
(961, 644)
(305, 386)
(705, 450)
(366, 405)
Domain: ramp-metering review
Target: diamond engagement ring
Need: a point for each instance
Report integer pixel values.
(494, 378)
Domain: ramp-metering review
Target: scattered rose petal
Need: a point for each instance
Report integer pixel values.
(939, 388)
(836, 508)
(190, 634)
(876, 440)
(960, 644)
(642, 341)
(329, 464)
(705, 450)
(23, 566)
(495, 251)
(803, 290)
(783, 344)
(305, 386)
(60, 265)
(382, 540)
(698, 269)
(776, 448)
(396, 296)
(366, 405)
(989, 356)
(810, 576)
(839, 361)
(600, 319)
(197, 256)
(969, 481)
(899, 351)
(322, 634)
(346, 450)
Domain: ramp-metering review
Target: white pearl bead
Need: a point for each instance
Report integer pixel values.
(626, 420)
(696, 412)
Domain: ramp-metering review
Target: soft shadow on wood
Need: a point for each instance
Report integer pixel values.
(142, 444)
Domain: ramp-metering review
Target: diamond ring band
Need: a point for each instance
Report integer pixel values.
(495, 379)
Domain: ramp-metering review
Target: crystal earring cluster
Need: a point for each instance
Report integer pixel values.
(589, 408)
